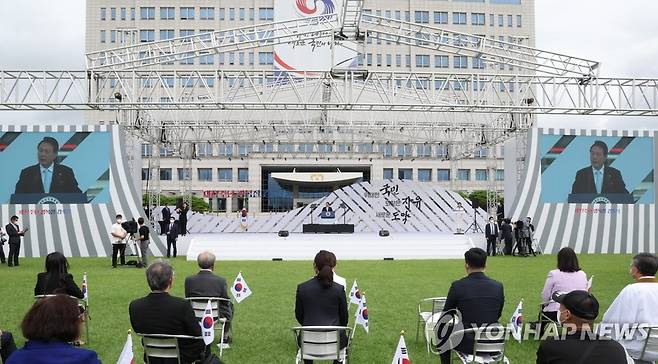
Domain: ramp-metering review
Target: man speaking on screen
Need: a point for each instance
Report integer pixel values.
(598, 178)
(47, 176)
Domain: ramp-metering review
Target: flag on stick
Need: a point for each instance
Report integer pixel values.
(589, 283)
(516, 322)
(362, 313)
(240, 290)
(401, 354)
(208, 325)
(84, 288)
(355, 294)
(126, 356)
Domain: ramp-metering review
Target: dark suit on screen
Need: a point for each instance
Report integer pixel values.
(612, 181)
(161, 313)
(14, 243)
(207, 284)
(316, 305)
(47, 284)
(479, 299)
(63, 180)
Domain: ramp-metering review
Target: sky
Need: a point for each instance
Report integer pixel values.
(621, 35)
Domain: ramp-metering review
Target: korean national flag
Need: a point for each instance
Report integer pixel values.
(362, 314)
(208, 325)
(240, 290)
(355, 294)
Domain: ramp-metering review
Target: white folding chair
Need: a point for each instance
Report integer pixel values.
(427, 308)
(83, 304)
(163, 346)
(649, 351)
(199, 306)
(321, 343)
(488, 345)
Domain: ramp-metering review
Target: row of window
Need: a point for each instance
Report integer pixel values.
(187, 13)
(458, 18)
(203, 174)
(442, 174)
(388, 150)
(422, 61)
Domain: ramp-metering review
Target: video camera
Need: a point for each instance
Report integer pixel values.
(130, 226)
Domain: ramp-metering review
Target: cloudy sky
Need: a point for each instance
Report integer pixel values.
(622, 35)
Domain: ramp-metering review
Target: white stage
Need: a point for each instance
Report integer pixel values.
(358, 246)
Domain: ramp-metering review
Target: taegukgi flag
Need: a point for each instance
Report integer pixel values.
(516, 322)
(208, 325)
(355, 294)
(362, 313)
(401, 354)
(240, 290)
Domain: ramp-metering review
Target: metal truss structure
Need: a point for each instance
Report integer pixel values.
(177, 108)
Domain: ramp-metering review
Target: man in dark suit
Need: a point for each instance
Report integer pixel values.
(327, 208)
(491, 233)
(207, 284)
(166, 214)
(506, 235)
(15, 234)
(161, 313)
(182, 218)
(598, 178)
(172, 235)
(47, 176)
(478, 298)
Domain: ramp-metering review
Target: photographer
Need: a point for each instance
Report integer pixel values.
(143, 240)
(119, 235)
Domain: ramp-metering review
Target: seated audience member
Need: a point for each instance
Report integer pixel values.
(566, 278)
(320, 301)
(478, 298)
(161, 313)
(338, 279)
(207, 284)
(49, 326)
(7, 345)
(637, 303)
(56, 279)
(577, 312)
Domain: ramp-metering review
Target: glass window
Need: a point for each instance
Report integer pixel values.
(441, 62)
(231, 13)
(186, 32)
(491, 20)
(207, 59)
(519, 23)
(147, 35)
(243, 174)
(207, 13)
(478, 63)
(267, 148)
(405, 174)
(222, 14)
(187, 13)
(463, 174)
(460, 61)
(266, 13)
(422, 60)
(398, 15)
(501, 20)
(167, 34)
(146, 13)
(389, 60)
(204, 149)
(102, 36)
(225, 174)
(286, 148)
(481, 153)
(132, 13)
(226, 150)
(265, 58)
(440, 17)
(424, 175)
(146, 174)
(167, 13)
(251, 13)
(500, 175)
(458, 18)
(388, 173)
(205, 174)
(386, 150)
(407, 60)
(244, 149)
(103, 13)
(113, 13)
(398, 60)
(123, 13)
(443, 174)
(324, 148)
(477, 18)
(510, 21)
(424, 150)
(165, 174)
(369, 59)
(481, 174)
(184, 174)
(305, 148)
(343, 148)
(422, 17)
(243, 13)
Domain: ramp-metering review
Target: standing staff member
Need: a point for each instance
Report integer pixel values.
(182, 218)
(143, 240)
(15, 234)
(166, 214)
(119, 235)
(172, 235)
(491, 233)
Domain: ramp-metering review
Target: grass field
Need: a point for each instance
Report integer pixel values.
(262, 322)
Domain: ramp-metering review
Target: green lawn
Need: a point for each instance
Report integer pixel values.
(261, 329)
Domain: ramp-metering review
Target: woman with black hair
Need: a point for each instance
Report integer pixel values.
(320, 301)
(56, 279)
(566, 278)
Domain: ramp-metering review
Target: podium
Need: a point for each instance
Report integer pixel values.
(48, 198)
(594, 198)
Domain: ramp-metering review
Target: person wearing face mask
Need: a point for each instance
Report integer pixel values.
(172, 234)
(491, 233)
(637, 303)
(579, 344)
(119, 235)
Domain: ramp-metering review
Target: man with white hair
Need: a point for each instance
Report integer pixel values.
(207, 284)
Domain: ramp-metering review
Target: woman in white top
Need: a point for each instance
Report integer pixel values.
(566, 278)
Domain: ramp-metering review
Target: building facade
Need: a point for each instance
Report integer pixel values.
(235, 175)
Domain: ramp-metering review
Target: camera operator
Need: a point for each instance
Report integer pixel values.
(119, 235)
(143, 241)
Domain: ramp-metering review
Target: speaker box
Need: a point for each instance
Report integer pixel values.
(384, 233)
(475, 204)
(283, 234)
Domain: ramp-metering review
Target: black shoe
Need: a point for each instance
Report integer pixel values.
(114, 266)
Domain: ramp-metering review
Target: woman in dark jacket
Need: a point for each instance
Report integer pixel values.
(56, 279)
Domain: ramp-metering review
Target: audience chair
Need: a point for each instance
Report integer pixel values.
(650, 347)
(162, 346)
(199, 305)
(427, 308)
(488, 345)
(84, 306)
(543, 319)
(321, 343)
